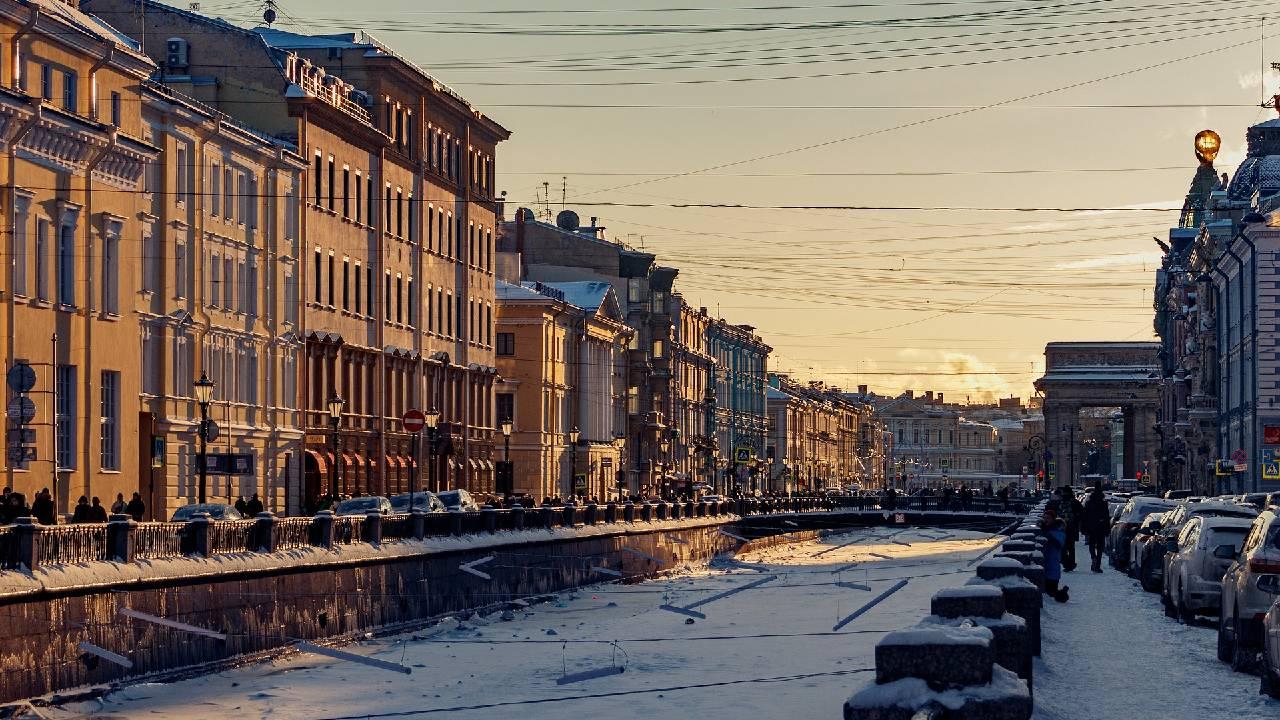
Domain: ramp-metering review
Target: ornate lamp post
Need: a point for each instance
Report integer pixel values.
(664, 446)
(506, 440)
(573, 458)
(335, 418)
(620, 442)
(204, 396)
(433, 420)
(769, 471)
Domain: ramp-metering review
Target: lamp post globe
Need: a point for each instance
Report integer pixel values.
(335, 405)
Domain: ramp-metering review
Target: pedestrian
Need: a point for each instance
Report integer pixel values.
(241, 506)
(1096, 523)
(15, 506)
(1055, 534)
(119, 505)
(42, 508)
(135, 508)
(97, 513)
(81, 514)
(254, 506)
(1003, 494)
(1073, 515)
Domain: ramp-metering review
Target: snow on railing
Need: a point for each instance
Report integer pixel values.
(158, 540)
(293, 532)
(70, 544)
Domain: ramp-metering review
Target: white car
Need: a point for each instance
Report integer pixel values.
(1249, 588)
(1207, 546)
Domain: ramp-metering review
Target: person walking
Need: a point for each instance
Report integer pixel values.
(1095, 523)
(42, 508)
(1072, 513)
(97, 513)
(254, 506)
(241, 506)
(119, 505)
(81, 514)
(136, 508)
(1055, 534)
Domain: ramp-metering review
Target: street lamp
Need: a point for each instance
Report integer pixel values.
(573, 457)
(204, 396)
(506, 440)
(335, 417)
(432, 419)
(769, 471)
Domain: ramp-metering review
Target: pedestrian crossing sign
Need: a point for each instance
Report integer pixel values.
(742, 454)
(1270, 464)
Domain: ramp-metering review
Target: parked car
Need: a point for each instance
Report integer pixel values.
(1151, 574)
(1271, 652)
(1131, 517)
(459, 500)
(217, 511)
(423, 500)
(1256, 500)
(1177, 494)
(1141, 547)
(1207, 546)
(363, 505)
(1249, 588)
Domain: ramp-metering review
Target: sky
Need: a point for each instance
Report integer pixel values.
(874, 152)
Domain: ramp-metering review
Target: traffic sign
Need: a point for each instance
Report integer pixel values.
(21, 454)
(22, 409)
(413, 420)
(742, 454)
(21, 378)
(1238, 456)
(21, 436)
(212, 431)
(226, 463)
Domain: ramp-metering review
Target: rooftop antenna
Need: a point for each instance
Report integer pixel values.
(546, 198)
(269, 12)
(564, 190)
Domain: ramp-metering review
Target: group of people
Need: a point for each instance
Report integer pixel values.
(13, 505)
(1065, 518)
(249, 508)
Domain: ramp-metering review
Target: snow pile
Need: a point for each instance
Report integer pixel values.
(914, 693)
(939, 635)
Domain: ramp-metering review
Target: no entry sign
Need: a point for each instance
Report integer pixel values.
(413, 420)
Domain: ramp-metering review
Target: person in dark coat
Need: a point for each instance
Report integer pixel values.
(254, 506)
(1072, 513)
(1055, 535)
(97, 513)
(42, 508)
(81, 514)
(1003, 494)
(136, 508)
(241, 506)
(1095, 523)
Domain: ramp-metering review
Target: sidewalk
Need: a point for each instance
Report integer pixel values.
(1111, 654)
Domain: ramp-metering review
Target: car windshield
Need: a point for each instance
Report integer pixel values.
(365, 503)
(217, 512)
(450, 498)
(1226, 536)
(400, 503)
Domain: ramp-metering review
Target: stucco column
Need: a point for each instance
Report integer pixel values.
(1058, 419)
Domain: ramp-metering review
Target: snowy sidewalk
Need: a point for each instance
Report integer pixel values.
(1111, 654)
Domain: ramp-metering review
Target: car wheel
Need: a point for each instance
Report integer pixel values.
(1146, 580)
(1168, 606)
(1226, 646)
(1186, 615)
(1241, 653)
(1270, 682)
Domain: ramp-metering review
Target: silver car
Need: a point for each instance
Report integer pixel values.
(1207, 546)
(1249, 588)
(363, 505)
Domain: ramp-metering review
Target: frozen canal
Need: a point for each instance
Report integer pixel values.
(764, 652)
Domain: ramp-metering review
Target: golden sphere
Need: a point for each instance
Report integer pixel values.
(1207, 145)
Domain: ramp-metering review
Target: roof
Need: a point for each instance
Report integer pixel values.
(90, 24)
(586, 294)
(507, 291)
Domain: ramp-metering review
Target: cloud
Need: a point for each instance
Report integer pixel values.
(1113, 261)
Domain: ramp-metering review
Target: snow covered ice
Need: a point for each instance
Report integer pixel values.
(763, 652)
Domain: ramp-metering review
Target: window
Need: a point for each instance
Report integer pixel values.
(67, 260)
(399, 212)
(69, 92)
(439, 310)
(357, 288)
(488, 324)
(332, 184)
(22, 204)
(471, 244)
(431, 310)
(370, 200)
(386, 210)
(658, 349)
(115, 109)
(290, 298)
(46, 82)
(431, 219)
(413, 301)
(408, 211)
(65, 409)
(228, 194)
(109, 417)
(387, 299)
(449, 316)
(181, 188)
(228, 282)
(111, 267)
(346, 191)
(359, 198)
(180, 270)
(215, 190)
(659, 302)
(506, 406)
(315, 175)
(346, 283)
(635, 290)
(506, 344)
(399, 298)
(42, 259)
(319, 277)
(331, 283)
(368, 289)
(242, 189)
(450, 223)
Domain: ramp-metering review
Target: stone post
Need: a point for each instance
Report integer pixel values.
(264, 532)
(677, 510)
(322, 529)
(120, 546)
(589, 514)
(611, 513)
(419, 520)
(548, 518)
(27, 536)
(373, 528)
(455, 522)
(646, 512)
(517, 517)
(629, 512)
(490, 518)
(664, 510)
(198, 528)
(570, 516)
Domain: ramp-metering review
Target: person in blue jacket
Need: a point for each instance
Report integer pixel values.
(1055, 533)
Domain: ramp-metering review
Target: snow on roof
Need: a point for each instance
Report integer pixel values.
(89, 23)
(915, 693)
(586, 294)
(939, 635)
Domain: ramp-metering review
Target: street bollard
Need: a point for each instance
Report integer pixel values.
(419, 520)
(264, 532)
(28, 533)
(629, 512)
(198, 527)
(322, 529)
(517, 517)
(120, 544)
(373, 528)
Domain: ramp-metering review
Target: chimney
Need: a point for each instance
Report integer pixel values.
(910, 394)
(928, 396)
(862, 389)
(940, 399)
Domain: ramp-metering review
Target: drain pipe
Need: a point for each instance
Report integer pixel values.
(15, 52)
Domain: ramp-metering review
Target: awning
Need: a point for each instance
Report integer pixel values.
(322, 463)
(475, 464)
(393, 462)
